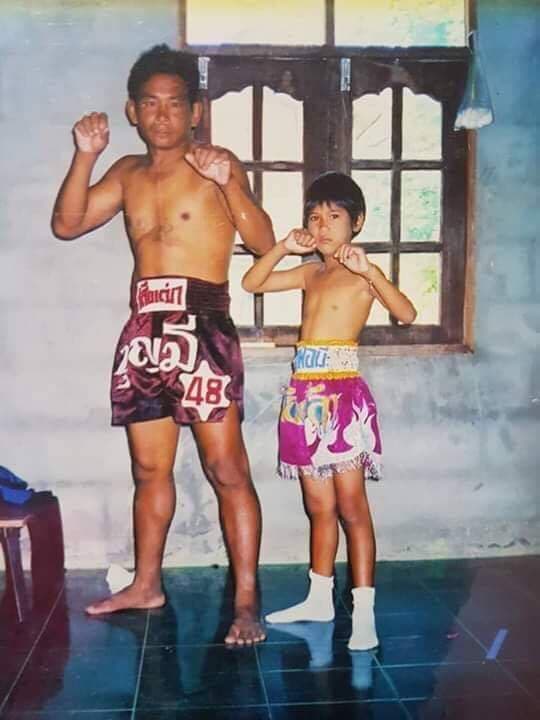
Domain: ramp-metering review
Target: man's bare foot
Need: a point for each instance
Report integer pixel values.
(130, 598)
(246, 629)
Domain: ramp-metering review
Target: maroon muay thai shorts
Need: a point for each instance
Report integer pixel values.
(178, 354)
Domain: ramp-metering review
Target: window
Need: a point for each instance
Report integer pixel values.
(384, 115)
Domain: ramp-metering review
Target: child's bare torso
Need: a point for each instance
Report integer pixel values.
(176, 221)
(336, 303)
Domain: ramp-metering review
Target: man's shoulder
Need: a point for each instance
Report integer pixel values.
(126, 164)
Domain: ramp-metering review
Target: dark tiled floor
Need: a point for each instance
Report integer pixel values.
(460, 640)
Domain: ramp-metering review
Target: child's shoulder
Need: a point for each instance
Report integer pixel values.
(310, 267)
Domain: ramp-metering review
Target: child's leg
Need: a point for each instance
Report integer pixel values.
(355, 517)
(320, 504)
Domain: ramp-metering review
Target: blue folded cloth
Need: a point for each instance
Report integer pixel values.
(12, 488)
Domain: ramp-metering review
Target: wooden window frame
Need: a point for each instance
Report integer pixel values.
(439, 72)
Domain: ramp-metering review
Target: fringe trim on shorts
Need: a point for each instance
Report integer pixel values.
(366, 460)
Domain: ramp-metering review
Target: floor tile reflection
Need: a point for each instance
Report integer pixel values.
(458, 640)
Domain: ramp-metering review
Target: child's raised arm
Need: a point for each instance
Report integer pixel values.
(396, 302)
(262, 277)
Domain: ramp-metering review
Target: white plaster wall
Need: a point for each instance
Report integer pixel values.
(460, 432)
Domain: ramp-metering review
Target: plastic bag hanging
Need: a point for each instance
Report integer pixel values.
(475, 110)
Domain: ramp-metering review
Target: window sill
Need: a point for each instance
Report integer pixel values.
(268, 352)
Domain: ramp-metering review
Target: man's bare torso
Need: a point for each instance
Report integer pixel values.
(176, 220)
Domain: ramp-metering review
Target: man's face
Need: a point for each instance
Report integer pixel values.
(331, 227)
(163, 113)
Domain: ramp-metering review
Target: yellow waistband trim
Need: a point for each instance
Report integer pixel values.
(323, 342)
(330, 375)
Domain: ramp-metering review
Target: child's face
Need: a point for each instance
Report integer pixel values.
(331, 226)
(163, 112)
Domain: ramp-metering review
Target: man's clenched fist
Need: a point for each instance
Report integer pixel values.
(91, 133)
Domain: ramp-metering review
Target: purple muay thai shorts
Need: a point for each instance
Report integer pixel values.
(178, 354)
(328, 420)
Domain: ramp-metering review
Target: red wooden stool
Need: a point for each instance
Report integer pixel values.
(41, 515)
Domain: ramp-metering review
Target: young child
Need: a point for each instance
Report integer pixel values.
(328, 431)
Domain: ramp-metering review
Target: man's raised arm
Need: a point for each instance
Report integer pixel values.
(251, 221)
(80, 208)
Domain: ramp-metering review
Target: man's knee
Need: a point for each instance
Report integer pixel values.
(148, 469)
(227, 472)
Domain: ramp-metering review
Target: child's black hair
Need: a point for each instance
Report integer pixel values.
(161, 59)
(337, 188)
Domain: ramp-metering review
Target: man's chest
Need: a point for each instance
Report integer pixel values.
(177, 195)
(169, 205)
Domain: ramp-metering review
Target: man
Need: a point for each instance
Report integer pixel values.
(178, 359)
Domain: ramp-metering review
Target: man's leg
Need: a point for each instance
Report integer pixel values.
(224, 460)
(152, 447)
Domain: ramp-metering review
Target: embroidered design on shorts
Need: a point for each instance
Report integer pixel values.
(204, 390)
(157, 354)
(328, 420)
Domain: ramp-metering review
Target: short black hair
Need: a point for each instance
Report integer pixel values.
(161, 59)
(337, 188)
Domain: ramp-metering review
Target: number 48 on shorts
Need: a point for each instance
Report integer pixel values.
(204, 390)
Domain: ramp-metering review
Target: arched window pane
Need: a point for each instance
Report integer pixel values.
(232, 122)
(283, 122)
(422, 127)
(372, 126)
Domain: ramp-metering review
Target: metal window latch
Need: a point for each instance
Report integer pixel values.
(345, 74)
(203, 72)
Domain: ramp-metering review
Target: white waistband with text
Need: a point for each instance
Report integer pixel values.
(161, 294)
(331, 358)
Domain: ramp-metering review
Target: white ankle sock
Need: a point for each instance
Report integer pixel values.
(364, 634)
(317, 607)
